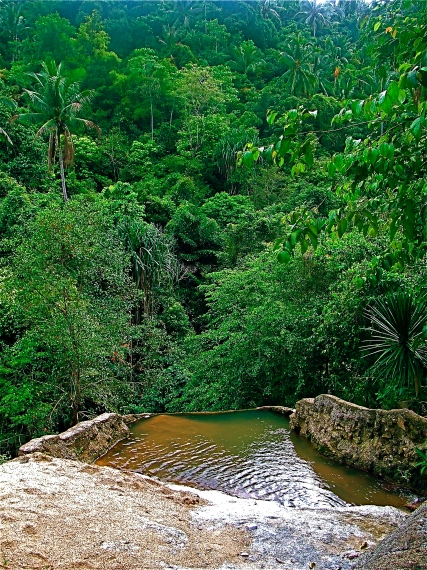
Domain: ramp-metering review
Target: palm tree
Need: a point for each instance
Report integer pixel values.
(247, 58)
(269, 10)
(297, 57)
(12, 105)
(4, 133)
(55, 107)
(314, 14)
(13, 24)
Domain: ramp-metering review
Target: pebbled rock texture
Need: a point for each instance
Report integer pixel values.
(379, 441)
(86, 441)
(405, 548)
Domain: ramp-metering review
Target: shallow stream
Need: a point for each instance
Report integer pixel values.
(250, 454)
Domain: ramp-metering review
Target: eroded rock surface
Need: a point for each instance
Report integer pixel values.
(405, 548)
(380, 441)
(85, 441)
(61, 514)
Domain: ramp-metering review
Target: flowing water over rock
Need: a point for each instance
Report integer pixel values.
(249, 454)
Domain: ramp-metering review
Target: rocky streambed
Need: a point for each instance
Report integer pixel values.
(63, 514)
(59, 511)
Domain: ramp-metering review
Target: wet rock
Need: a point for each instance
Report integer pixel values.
(85, 441)
(379, 441)
(405, 548)
(283, 410)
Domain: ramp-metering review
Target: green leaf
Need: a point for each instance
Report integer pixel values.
(393, 91)
(304, 245)
(384, 148)
(342, 226)
(338, 162)
(283, 256)
(311, 236)
(411, 79)
(377, 26)
(331, 168)
(285, 145)
(386, 104)
(271, 117)
(294, 237)
(402, 96)
(420, 453)
(309, 158)
(357, 107)
(416, 128)
(373, 154)
(248, 158)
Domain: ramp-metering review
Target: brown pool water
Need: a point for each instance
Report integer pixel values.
(248, 453)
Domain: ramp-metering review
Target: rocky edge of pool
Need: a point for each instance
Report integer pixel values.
(59, 510)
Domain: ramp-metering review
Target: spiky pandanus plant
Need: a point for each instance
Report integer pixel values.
(55, 106)
(399, 339)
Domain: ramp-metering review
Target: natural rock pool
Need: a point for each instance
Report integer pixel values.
(250, 454)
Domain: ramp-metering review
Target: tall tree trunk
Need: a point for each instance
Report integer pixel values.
(61, 168)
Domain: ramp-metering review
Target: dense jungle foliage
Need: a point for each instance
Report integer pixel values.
(209, 205)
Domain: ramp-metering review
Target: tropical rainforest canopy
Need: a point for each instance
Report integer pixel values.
(209, 205)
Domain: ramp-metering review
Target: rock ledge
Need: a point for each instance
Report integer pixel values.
(379, 441)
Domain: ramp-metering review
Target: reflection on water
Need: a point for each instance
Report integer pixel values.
(248, 454)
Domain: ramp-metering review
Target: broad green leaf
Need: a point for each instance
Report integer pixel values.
(384, 149)
(271, 117)
(342, 226)
(373, 155)
(312, 237)
(294, 237)
(248, 158)
(386, 104)
(416, 128)
(402, 96)
(338, 161)
(331, 168)
(393, 91)
(304, 245)
(283, 256)
(309, 158)
(357, 107)
(411, 79)
(285, 145)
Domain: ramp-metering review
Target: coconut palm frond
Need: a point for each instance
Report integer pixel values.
(55, 106)
(4, 133)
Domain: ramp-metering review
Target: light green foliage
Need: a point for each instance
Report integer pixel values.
(258, 347)
(423, 462)
(226, 209)
(68, 285)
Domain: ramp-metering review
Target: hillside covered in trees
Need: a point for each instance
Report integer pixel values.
(209, 205)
